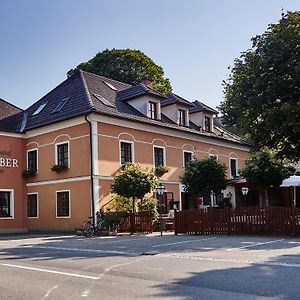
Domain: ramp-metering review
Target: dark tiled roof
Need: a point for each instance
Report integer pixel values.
(86, 93)
(175, 99)
(137, 91)
(7, 109)
(199, 106)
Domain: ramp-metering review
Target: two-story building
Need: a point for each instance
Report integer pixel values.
(58, 157)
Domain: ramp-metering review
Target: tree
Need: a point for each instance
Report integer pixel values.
(134, 182)
(126, 65)
(264, 170)
(263, 90)
(201, 177)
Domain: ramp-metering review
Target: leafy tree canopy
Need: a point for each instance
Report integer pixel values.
(201, 177)
(262, 93)
(263, 170)
(134, 182)
(126, 65)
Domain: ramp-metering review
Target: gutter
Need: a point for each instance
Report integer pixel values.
(91, 171)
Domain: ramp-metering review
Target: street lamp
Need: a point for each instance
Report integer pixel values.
(160, 191)
(244, 191)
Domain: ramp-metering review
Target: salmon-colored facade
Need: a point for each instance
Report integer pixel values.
(54, 199)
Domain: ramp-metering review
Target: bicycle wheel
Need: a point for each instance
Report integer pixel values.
(87, 229)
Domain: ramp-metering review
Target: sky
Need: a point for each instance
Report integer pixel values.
(193, 40)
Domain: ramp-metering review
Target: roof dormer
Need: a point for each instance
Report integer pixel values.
(177, 109)
(144, 99)
(203, 116)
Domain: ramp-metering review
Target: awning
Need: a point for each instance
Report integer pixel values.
(292, 181)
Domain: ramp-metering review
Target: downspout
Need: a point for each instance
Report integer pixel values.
(91, 170)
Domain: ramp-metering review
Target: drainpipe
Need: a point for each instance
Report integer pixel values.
(91, 171)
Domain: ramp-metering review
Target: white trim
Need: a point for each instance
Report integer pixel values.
(55, 127)
(57, 181)
(186, 151)
(95, 167)
(10, 134)
(37, 206)
(236, 165)
(164, 155)
(132, 150)
(37, 158)
(12, 204)
(170, 132)
(69, 152)
(63, 217)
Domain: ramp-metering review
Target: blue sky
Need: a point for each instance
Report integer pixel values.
(193, 40)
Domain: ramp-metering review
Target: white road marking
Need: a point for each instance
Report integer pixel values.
(254, 245)
(181, 242)
(238, 261)
(51, 271)
(49, 291)
(83, 250)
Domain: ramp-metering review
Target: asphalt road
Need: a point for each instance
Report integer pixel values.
(149, 267)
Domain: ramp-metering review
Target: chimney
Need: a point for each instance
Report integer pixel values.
(147, 82)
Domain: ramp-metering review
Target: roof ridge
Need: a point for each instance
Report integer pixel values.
(128, 85)
(86, 89)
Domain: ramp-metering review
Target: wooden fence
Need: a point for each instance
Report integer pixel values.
(271, 220)
(137, 222)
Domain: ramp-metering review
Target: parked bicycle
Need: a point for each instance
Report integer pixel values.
(89, 230)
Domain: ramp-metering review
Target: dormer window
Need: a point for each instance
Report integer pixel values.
(182, 117)
(152, 110)
(207, 124)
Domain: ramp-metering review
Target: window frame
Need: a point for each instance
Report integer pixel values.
(69, 153)
(182, 113)
(37, 205)
(56, 206)
(236, 166)
(183, 157)
(120, 151)
(164, 156)
(209, 124)
(155, 112)
(11, 205)
(37, 159)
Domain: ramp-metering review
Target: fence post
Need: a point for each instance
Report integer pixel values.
(175, 222)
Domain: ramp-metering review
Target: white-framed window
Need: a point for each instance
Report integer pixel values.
(159, 156)
(126, 152)
(153, 111)
(32, 160)
(187, 157)
(182, 119)
(215, 156)
(62, 154)
(63, 204)
(6, 204)
(32, 205)
(233, 167)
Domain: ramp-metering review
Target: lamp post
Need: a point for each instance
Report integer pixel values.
(245, 191)
(160, 191)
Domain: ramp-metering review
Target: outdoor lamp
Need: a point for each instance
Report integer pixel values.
(244, 191)
(160, 191)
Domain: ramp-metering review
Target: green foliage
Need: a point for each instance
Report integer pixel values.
(149, 204)
(125, 205)
(134, 182)
(121, 204)
(126, 65)
(161, 170)
(111, 219)
(263, 170)
(28, 173)
(263, 90)
(201, 177)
